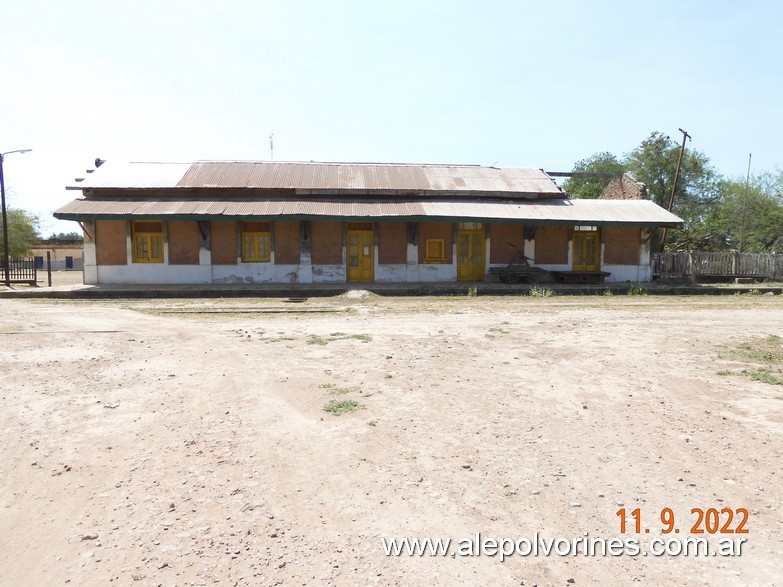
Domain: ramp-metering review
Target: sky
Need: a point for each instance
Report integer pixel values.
(504, 83)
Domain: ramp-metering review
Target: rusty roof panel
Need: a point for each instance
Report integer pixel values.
(322, 177)
(598, 212)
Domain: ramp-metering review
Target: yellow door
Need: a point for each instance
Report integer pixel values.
(587, 251)
(470, 251)
(361, 256)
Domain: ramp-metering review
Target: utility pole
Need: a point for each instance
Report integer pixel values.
(685, 135)
(6, 254)
(272, 146)
(744, 205)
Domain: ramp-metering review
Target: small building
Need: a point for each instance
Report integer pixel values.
(274, 222)
(624, 187)
(64, 254)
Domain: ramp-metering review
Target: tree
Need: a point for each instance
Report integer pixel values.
(22, 232)
(654, 163)
(748, 218)
(67, 236)
(591, 187)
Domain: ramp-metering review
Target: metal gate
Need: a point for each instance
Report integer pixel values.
(21, 270)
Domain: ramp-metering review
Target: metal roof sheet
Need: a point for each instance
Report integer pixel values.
(597, 212)
(322, 177)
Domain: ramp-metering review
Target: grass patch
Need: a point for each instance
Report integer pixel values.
(540, 292)
(343, 390)
(334, 390)
(338, 408)
(321, 341)
(724, 372)
(764, 376)
(637, 289)
(767, 350)
(277, 339)
(766, 353)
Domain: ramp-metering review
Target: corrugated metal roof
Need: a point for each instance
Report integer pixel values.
(554, 211)
(306, 178)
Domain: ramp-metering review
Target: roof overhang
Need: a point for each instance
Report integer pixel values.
(639, 213)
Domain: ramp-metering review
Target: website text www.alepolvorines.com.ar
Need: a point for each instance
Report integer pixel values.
(537, 545)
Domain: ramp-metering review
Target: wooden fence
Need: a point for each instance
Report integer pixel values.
(22, 270)
(718, 265)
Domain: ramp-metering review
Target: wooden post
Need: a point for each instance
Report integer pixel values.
(49, 267)
(691, 267)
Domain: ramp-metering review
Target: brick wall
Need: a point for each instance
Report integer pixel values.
(392, 243)
(505, 241)
(224, 243)
(184, 239)
(621, 245)
(111, 247)
(552, 245)
(327, 243)
(287, 242)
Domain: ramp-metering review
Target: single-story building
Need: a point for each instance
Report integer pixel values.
(275, 222)
(63, 254)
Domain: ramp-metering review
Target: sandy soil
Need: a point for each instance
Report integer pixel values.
(185, 442)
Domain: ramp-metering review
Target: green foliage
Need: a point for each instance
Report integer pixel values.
(747, 218)
(67, 236)
(338, 408)
(764, 376)
(767, 350)
(22, 232)
(718, 213)
(540, 292)
(637, 289)
(321, 341)
(654, 162)
(591, 187)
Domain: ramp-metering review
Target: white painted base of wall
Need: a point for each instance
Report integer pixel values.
(391, 273)
(437, 272)
(90, 275)
(249, 273)
(329, 274)
(252, 273)
(639, 273)
(151, 273)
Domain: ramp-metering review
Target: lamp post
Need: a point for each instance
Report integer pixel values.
(6, 254)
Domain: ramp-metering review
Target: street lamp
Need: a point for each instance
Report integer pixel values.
(6, 255)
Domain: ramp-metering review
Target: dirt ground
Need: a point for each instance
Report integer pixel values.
(185, 442)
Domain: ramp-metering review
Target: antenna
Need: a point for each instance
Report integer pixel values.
(272, 146)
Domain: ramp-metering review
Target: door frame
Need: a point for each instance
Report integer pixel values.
(580, 237)
(474, 272)
(363, 230)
